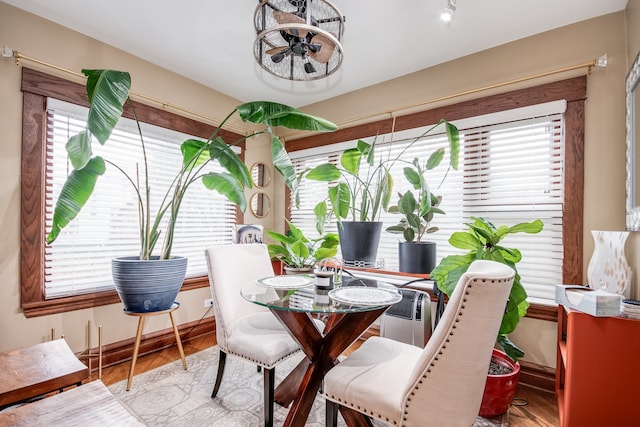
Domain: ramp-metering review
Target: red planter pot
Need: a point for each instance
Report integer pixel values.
(499, 390)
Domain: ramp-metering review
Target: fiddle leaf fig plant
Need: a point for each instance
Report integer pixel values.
(107, 92)
(363, 182)
(417, 209)
(297, 251)
(482, 242)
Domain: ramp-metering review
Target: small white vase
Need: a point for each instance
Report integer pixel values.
(608, 268)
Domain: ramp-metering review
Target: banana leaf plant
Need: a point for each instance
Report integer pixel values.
(364, 185)
(107, 92)
(482, 241)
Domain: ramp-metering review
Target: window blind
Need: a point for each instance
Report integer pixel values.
(79, 261)
(511, 171)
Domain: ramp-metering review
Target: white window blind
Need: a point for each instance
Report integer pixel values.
(79, 261)
(511, 171)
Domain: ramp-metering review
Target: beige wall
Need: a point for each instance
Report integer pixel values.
(563, 47)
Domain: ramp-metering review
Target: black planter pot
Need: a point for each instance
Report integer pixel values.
(148, 285)
(359, 242)
(417, 257)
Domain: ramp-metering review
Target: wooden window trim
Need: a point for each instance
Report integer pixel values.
(573, 90)
(36, 88)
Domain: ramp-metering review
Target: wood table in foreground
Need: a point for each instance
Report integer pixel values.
(39, 369)
(90, 404)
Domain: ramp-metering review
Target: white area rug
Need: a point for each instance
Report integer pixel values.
(171, 396)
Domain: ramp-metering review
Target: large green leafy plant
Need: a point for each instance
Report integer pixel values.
(417, 209)
(297, 251)
(482, 241)
(107, 92)
(364, 185)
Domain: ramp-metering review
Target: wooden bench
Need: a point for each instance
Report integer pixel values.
(90, 404)
(36, 370)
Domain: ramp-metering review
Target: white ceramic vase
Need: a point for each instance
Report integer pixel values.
(608, 268)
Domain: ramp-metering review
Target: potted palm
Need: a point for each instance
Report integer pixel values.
(414, 254)
(107, 92)
(298, 253)
(482, 242)
(362, 190)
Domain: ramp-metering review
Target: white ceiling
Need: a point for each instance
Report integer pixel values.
(211, 41)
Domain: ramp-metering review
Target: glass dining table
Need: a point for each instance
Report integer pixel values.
(347, 310)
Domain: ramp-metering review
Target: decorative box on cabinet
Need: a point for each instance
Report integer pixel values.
(597, 370)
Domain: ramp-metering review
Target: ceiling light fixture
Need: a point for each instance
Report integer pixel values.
(298, 39)
(447, 13)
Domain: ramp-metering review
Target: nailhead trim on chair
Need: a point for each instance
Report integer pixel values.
(286, 356)
(424, 376)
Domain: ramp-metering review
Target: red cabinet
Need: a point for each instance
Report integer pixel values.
(598, 370)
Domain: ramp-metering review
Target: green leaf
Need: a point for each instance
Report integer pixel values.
(282, 163)
(74, 195)
(413, 220)
(326, 172)
(320, 212)
(454, 144)
(228, 159)
(299, 249)
(407, 203)
(510, 348)
(465, 240)
(409, 234)
(395, 229)
(527, 227)
(435, 158)
(275, 114)
(107, 91)
(340, 200)
(413, 177)
(228, 186)
(350, 160)
(449, 270)
(79, 149)
(194, 153)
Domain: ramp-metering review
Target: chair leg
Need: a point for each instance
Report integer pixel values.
(269, 380)
(331, 415)
(221, 361)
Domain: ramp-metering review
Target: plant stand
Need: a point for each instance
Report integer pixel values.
(141, 318)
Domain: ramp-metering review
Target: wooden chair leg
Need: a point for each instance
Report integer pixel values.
(269, 380)
(221, 361)
(331, 416)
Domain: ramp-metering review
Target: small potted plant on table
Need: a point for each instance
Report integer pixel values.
(298, 253)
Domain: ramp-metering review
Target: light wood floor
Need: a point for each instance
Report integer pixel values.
(541, 410)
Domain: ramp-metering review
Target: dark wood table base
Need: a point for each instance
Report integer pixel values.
(301, 386)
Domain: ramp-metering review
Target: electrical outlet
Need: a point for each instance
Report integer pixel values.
(208, 302)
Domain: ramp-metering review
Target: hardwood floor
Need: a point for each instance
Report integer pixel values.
(541, 409)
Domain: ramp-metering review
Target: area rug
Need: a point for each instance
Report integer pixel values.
(171, 396)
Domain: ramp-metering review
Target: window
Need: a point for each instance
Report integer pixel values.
(37, 87)
(556, 188)
(80, 259)
(510, 172)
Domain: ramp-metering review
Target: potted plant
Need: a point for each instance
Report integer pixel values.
(482, 241)
(107, 92)
(298, 253)
(414, 254)
(363, 189)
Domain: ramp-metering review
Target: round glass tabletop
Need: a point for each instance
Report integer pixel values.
(357, 295)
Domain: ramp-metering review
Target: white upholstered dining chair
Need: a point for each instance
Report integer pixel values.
(244, 329)
(440, 385)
